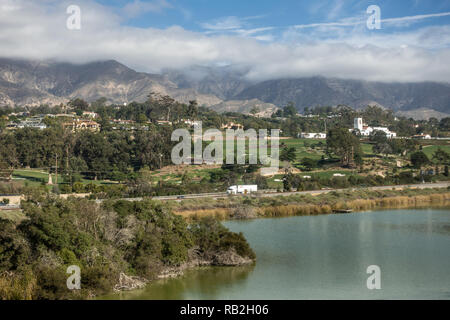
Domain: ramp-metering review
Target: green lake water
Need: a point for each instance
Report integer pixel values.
(326, 257)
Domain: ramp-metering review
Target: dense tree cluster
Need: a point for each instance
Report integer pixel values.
(296, 182)
(140, 238)
(342, 143)
(121, 155)
(95, 155)
(384, 146)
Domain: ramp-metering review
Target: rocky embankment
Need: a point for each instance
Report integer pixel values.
(127, 283)
(196, 258)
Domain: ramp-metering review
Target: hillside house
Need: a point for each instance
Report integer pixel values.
(319, 135)
(79, 125)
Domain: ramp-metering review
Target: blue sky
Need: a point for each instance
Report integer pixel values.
(269, 39)
(272, 17)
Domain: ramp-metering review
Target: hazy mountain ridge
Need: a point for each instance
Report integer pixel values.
(222, 88)
(422, 114)
(309, 92)
(245, 106)
(222, 82)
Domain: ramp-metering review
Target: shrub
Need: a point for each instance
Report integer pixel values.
(244, 212)
(237, 242)
(17, 286)
(78, 187)
(120, 236)
(66, 188)
(210, 235)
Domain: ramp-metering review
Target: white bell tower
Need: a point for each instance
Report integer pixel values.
(358, 124)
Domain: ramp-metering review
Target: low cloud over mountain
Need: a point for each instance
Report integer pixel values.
(24, 82)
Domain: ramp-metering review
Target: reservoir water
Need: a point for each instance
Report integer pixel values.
(326, 257)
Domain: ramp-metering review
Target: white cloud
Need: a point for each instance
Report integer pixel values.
(238, 26)
(37, 30)
(223, 24)
(355, 21)
(406, 21)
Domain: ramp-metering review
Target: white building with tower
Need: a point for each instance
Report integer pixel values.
(366, 131)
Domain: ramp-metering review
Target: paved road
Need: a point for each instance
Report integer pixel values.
(277, 194)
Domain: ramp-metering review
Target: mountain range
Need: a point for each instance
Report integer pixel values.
(32, 83)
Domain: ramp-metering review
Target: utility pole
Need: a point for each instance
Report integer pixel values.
(67, 173)
(67, 158)
(56, 170)
(351, 161)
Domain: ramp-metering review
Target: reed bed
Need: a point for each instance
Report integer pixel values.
(302, 209)
(218, 213)
(312, 206)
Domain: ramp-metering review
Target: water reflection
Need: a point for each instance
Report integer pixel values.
(201, 283)
(326, 257)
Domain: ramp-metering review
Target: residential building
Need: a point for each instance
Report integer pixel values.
(319, 135)
(422, 136)
(366, 131)
(78, 125)
(232, 125)
(27, 124)
(192, 123)
(90, 114)
(164, 122)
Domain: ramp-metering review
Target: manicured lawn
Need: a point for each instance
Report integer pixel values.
(307, 151)
(367, 148)
(430, 150)
(34, 177)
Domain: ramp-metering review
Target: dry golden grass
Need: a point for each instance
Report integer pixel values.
(308, 209)
(16, 287)
(219, 213)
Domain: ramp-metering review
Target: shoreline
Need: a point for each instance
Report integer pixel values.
(358, 206)
(286, 206)
(175, 272)
(227, 258)
(196, 260)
